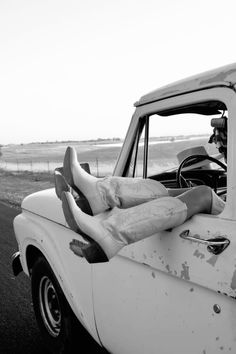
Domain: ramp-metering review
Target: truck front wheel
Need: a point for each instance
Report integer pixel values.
(57, 323)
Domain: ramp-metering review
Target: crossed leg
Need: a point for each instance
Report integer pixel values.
(120, 227)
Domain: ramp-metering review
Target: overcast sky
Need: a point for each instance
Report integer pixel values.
(72, 69)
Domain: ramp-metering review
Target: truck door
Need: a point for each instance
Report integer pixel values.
(175, 291)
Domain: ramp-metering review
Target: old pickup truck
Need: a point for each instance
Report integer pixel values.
(175, 291)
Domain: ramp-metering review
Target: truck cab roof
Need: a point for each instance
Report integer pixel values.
(223, 76)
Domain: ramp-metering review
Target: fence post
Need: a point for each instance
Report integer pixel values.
(97, 167)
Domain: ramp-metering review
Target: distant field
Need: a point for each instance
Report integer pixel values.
(30, 156)
(15, 185)
(100, 156)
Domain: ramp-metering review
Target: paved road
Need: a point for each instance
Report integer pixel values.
(18, 329)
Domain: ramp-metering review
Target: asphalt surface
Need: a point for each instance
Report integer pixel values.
(18, 328)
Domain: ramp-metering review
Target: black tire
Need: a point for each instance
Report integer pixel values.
(60, 329)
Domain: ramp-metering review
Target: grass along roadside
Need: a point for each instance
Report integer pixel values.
(15, 186)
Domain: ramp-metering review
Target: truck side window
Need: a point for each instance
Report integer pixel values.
(170, 136)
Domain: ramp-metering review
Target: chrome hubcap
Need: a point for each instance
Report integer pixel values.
(49, 306)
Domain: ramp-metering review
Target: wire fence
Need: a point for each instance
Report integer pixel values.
(34, 166)
(96, 167)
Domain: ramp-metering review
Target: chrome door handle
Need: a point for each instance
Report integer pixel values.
(214, 245)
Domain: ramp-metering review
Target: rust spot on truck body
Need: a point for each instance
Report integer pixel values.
(212, 260)
(199, 254)
(233, 282)
(185, 272)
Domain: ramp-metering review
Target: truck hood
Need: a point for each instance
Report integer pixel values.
(45, 204)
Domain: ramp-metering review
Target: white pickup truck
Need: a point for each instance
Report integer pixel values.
(175, 291)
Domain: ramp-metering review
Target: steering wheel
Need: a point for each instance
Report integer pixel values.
(181, 181)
